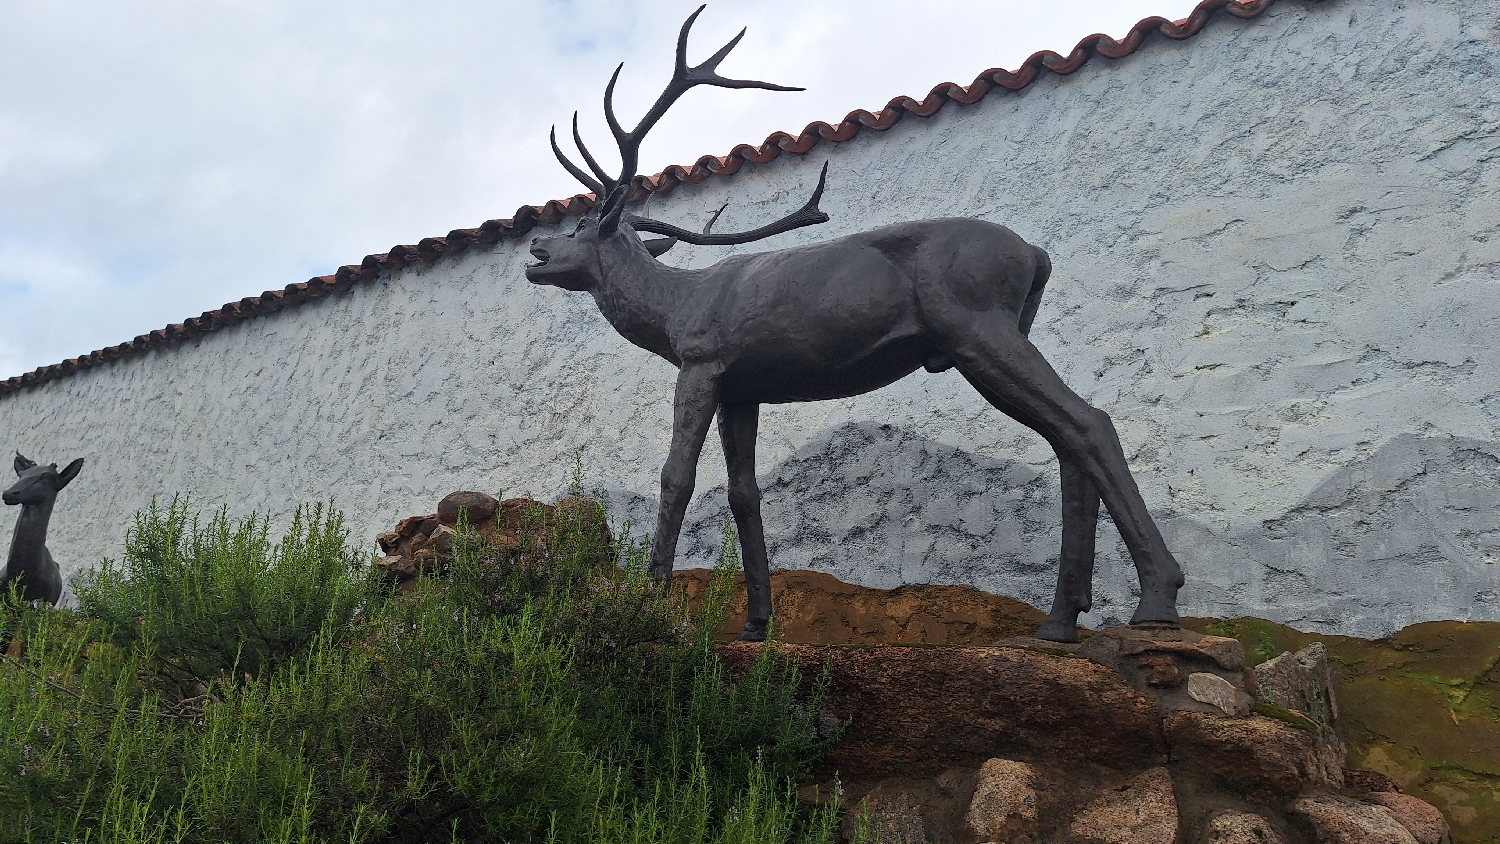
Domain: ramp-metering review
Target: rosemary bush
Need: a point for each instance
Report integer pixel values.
(214, 686)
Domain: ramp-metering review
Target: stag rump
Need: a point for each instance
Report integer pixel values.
(837, 319)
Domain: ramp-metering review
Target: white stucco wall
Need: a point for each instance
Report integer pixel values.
(1277, 253)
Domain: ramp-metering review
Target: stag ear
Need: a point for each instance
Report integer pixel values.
(614, 206)
(69, 473)
(22, 463)
(658, 246)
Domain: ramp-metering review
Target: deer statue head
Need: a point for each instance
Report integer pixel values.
(39, 484)
(605, 237)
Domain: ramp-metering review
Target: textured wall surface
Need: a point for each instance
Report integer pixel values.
(1277, 252)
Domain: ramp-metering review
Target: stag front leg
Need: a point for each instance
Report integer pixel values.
(693, 410)
(737, 424)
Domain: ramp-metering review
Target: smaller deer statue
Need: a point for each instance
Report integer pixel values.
(35, 491)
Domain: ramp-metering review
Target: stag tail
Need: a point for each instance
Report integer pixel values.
(1038, 282)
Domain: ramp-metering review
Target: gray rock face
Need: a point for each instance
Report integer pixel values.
(1276, 268)
(1302, 681)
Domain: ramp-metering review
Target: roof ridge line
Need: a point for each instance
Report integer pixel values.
(527, 217)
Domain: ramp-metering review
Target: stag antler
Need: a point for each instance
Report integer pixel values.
(613, 192)
(807, 215)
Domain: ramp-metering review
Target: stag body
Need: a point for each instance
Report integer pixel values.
(838, 319)
(36, 491)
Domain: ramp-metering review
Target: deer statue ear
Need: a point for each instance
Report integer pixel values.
(69, 473)
(658, 246)
(22, 463)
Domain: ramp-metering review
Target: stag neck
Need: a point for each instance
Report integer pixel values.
(30, 535)
(639, 295)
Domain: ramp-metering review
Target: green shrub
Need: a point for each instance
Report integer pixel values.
(216, 687)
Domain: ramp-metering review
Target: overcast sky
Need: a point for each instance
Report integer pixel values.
(159, 158)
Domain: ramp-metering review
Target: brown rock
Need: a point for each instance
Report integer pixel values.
(1232, 827)
(396, 567)
(1366, 782)
(816, 608)
(426, 559)
(514, 511)
(1216, 691)
(1004, 802)
(410, 547)
(923, 710)
(1421, 819)
(1339, 820)
(410, 526)
(1117, 642)
(388, 541)
(1144, 812)
(441, 541)
(1161, 671)
(890, 814)
(1256, 753)
(480, 507)
(1147, 655)
(429, 525)
(1301, 681)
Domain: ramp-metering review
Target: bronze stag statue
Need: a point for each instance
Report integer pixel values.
(36, 491)
(837, 319)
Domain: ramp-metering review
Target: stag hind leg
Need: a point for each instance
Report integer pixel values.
(990, 351)
(737, 428)
(1080, 524)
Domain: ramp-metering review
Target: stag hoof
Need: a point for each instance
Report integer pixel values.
(1155, 613)
(1059, 630)
(752, 633)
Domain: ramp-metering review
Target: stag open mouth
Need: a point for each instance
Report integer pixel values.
(542, 257)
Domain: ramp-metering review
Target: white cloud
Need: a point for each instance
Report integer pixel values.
(160, 158)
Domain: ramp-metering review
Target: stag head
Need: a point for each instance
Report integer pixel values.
(38, 484)
(572, 261)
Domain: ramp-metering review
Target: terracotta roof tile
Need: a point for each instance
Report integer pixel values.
(528, 217)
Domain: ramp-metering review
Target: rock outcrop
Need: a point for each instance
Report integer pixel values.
(817, 608)
(1136, 734)
(422, 544)
(1030, 741)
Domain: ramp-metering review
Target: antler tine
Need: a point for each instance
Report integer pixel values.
(684, 78)
(708, 226)
(609, 183)
(577, 172)
(621, 136)
(808, 215)
(707, 73)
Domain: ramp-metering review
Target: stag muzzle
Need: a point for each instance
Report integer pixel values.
(542, 257)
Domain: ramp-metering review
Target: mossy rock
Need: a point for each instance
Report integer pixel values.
(1421, 706)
